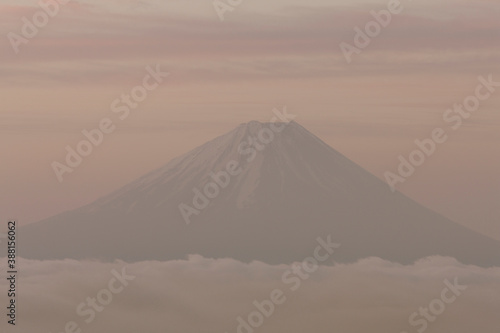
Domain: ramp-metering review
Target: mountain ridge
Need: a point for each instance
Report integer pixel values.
(294, 190)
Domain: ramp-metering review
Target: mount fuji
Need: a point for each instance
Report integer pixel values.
(269, 201)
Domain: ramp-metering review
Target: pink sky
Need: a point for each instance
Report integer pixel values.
(264, 55)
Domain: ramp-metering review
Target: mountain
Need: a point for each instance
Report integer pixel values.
(272, 194)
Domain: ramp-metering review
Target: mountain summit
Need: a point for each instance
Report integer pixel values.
(264, 191)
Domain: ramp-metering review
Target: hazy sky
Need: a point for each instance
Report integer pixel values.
(265, 54)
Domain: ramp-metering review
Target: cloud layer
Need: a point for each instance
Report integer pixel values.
(92, 41)
(205, 295)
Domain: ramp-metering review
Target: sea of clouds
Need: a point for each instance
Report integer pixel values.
(200, 295)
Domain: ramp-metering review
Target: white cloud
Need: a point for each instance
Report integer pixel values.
(205, 295)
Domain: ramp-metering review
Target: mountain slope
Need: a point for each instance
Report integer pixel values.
(285, 196)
